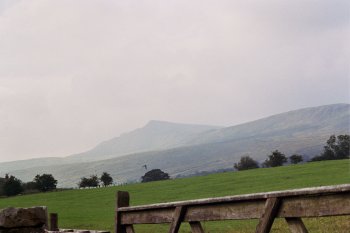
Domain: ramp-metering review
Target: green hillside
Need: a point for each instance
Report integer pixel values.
(94, 208)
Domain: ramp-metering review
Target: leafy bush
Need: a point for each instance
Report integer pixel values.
(89, 182)
(275, 159)
(246, 163)
(294, 159)
(12, 186)
(154, 175)
(45, 182)
(106, 179)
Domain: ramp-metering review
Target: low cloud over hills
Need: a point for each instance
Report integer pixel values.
(181, 149)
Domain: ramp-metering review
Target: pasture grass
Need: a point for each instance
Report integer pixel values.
(94, 208)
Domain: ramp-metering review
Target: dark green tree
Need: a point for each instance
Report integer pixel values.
(275, 159)
(294, 159)
(154, 175)
(12, 186)
(84, 182)
(30, 186)
(45, 182)
(2, 183)
(342, 149)
(106, 179)
(336, 148)
(246, 163)
(89, 182)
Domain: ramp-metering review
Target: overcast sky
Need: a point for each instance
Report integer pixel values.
(75, 73)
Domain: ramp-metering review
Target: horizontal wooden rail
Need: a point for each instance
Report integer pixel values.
(291, 205)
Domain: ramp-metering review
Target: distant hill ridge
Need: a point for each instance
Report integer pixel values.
(156, 135)
(182, 149)
(326, 117)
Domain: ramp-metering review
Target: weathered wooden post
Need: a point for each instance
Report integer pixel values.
(179, 214)
(296, 225)
(46, 226)
(53, 222)
(177, 219)
(122, 200)
(196, 227)
(268, 216)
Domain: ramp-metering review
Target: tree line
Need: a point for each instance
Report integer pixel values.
(95, 181)
(11, 186)
(106, 180)
(337, 147)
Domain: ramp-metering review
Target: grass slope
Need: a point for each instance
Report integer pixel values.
(94, 208)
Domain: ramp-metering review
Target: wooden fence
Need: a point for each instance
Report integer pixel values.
(293, 205)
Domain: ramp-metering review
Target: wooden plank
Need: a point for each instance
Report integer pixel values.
(148, 216)
(46, 226)
(316, 206)
(241, 210)
(255, 196)
(268, 216)
(236, 210)
(196, 227)
(296, 225)
(177, 219)
(122, 200)
(53, 222)
(129, 229)
(308, 206)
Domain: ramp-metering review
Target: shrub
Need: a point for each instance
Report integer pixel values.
(154, 175)
(246, 163)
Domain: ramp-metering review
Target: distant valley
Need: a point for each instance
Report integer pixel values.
(184, 149)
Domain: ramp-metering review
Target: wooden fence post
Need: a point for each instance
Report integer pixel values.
(47, 219)
(296, 225)
(196, 227)
(268, 216)
(122, 200)
(53, 222)
(178, 217)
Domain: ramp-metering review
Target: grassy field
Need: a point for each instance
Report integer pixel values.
(94, 208)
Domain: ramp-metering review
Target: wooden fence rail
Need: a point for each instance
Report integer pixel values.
(293, 205)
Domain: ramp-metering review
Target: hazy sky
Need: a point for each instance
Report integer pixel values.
(74, 73)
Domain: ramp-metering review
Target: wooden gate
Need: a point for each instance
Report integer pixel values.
(293, 205)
